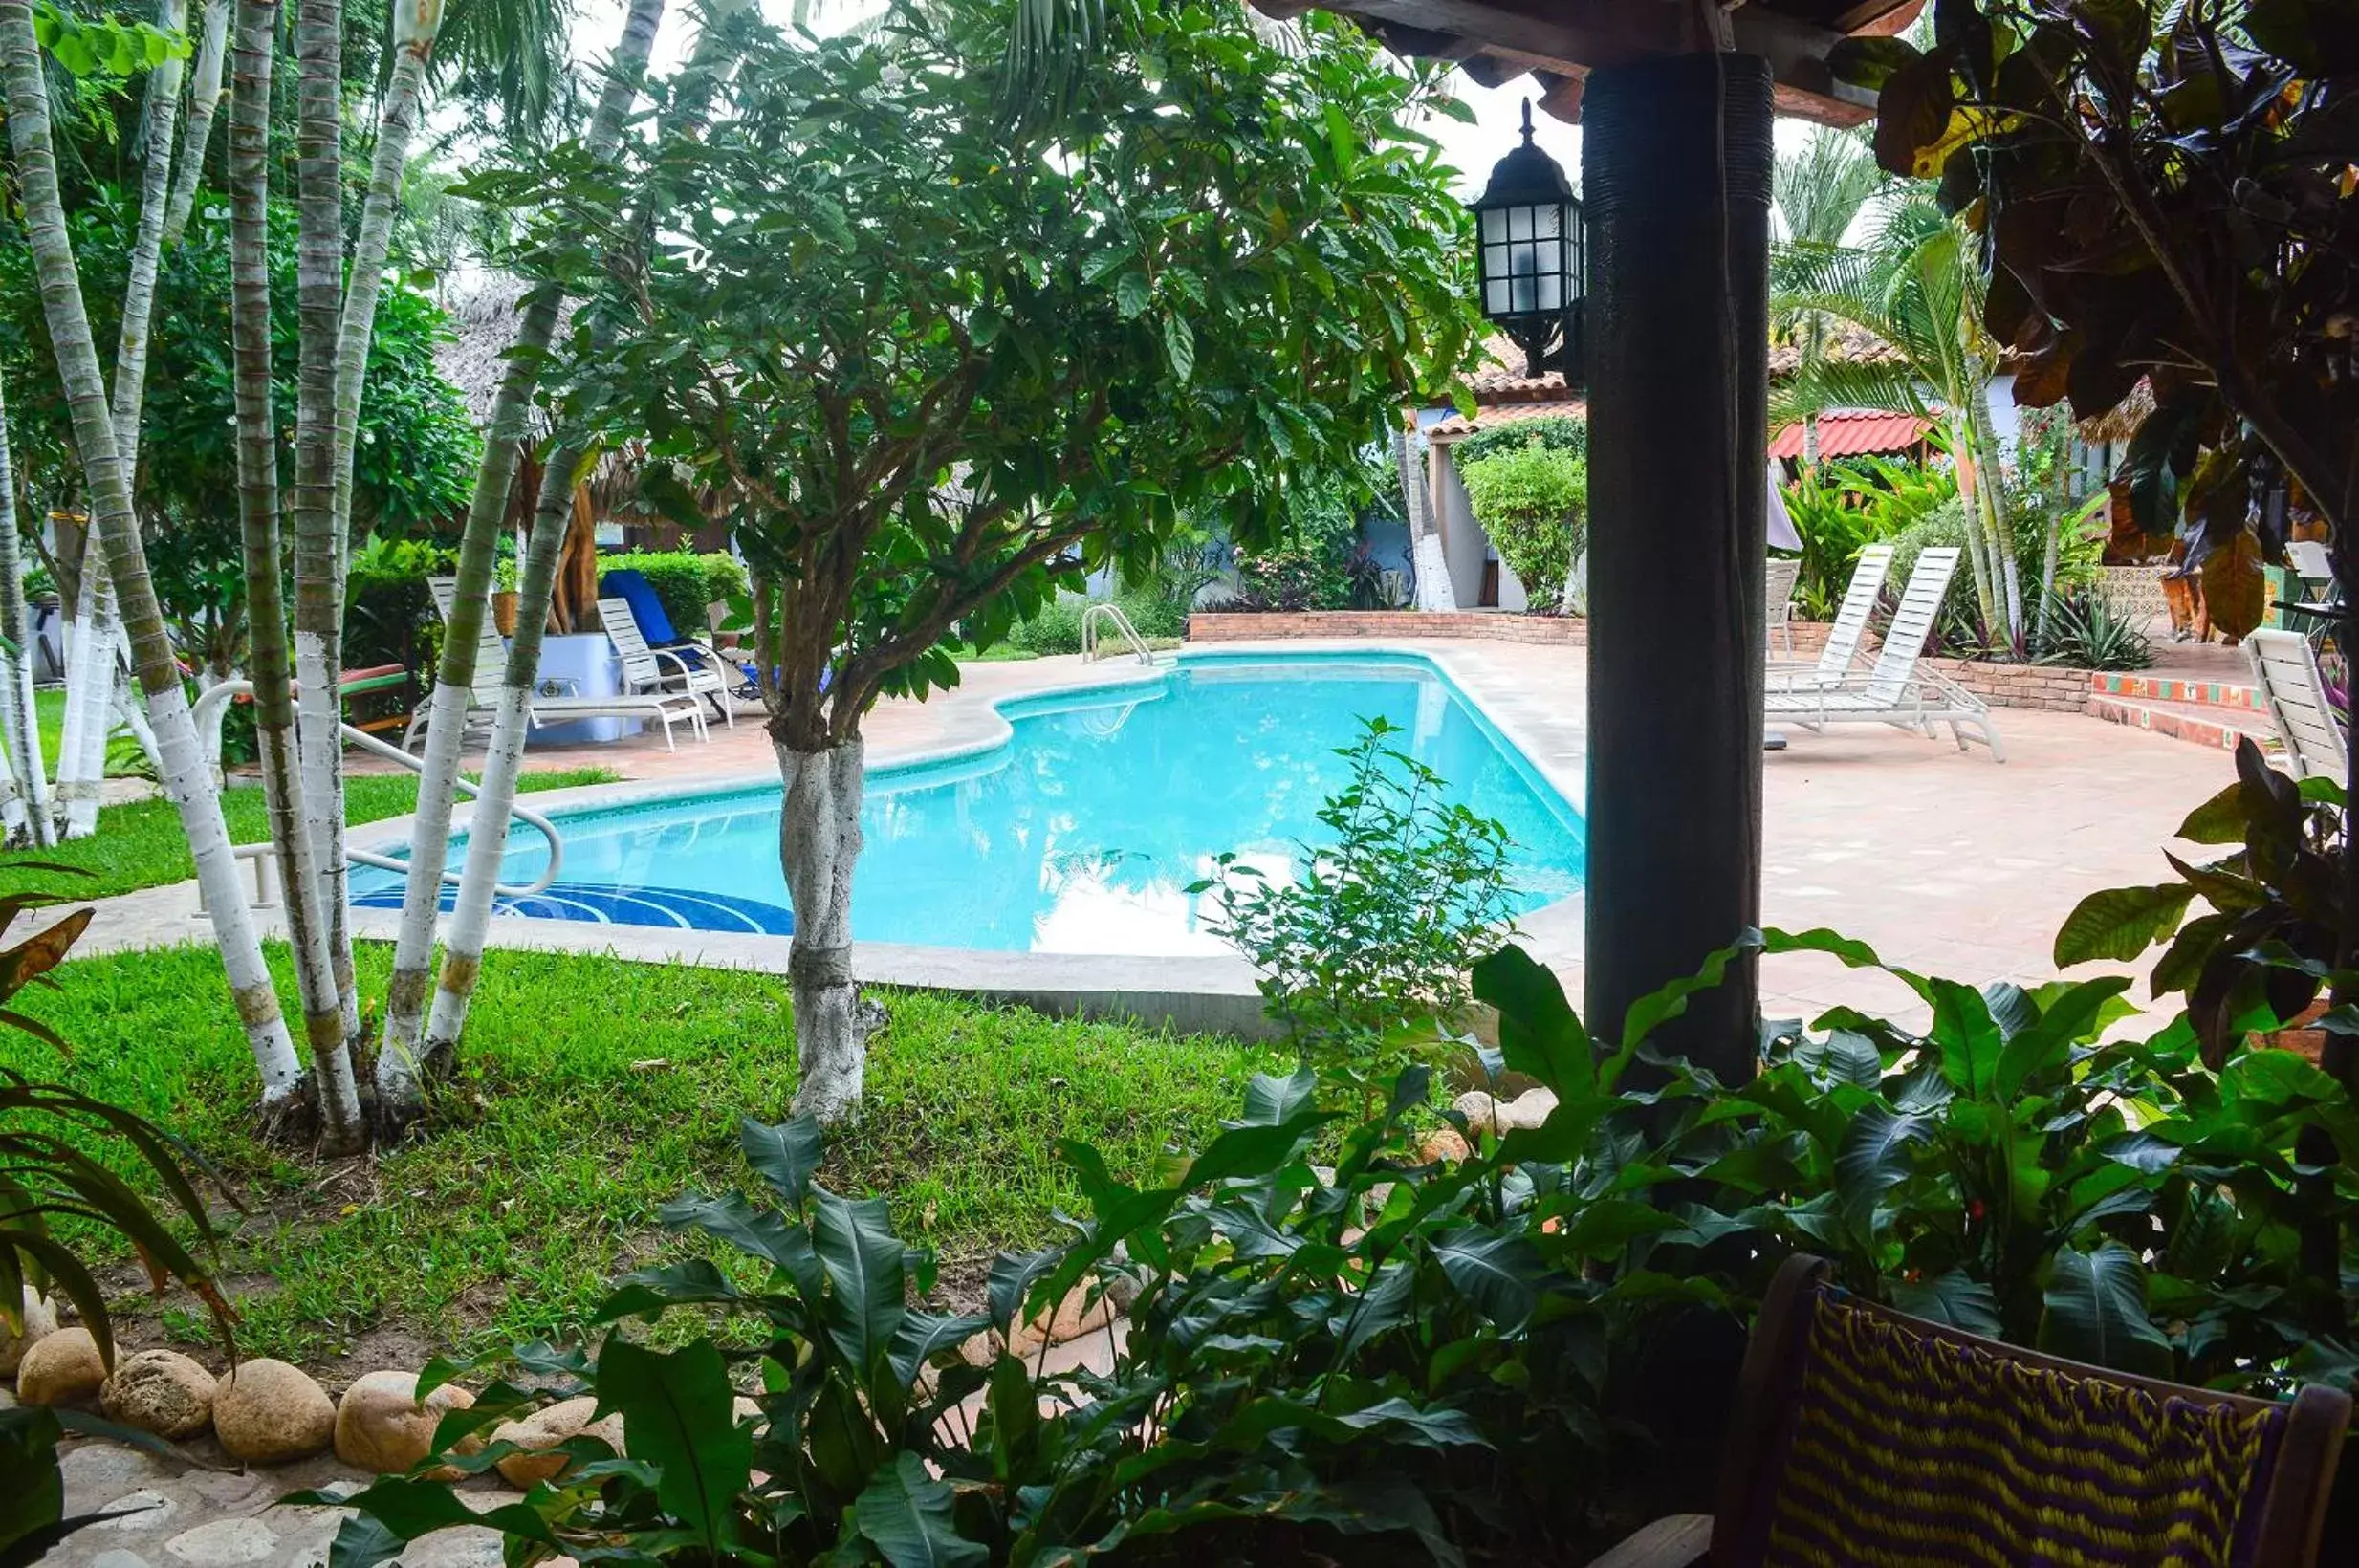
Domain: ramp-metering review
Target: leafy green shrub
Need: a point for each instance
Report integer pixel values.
(1409, 1351)
(685, 580)
(1361, 955)
(390, 615)
(1534, 503)
(1057, 627)
(1558, 433)
(1847, 505)
(1389, 1357)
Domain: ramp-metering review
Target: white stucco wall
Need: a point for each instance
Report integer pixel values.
(1464, 544)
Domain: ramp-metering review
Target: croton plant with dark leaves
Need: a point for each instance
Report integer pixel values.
(2176, 199)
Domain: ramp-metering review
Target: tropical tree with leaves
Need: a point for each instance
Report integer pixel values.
(1917, 287)
(1818, 192)
(939, 366)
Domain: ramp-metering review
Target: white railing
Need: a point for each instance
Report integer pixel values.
(1107, 611)
(214, 704)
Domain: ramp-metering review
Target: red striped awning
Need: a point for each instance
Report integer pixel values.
(1852, 435)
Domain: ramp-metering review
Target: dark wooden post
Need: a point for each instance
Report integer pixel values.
(1676, 159)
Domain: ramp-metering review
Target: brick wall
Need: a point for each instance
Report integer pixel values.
(2056, 688)
(1228, 627)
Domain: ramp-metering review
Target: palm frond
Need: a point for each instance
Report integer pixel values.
(512, 55)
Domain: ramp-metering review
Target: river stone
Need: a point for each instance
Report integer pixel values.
(161, 1391)
(147, 1509)
(266, 1412)
(1528, 1109)
(40, 1321)
(543, 1431)
(1482, 1113)
(382, 1426)
(1443, 1143)
(62, 1368)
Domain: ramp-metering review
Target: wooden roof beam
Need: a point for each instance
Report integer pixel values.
(1576, 34)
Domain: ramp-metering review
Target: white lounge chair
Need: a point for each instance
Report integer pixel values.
(667, 708)
(490, 664)
(1783, 573)
(1895, 691)
(693, 666)
(1859, 602)
(2286, 669)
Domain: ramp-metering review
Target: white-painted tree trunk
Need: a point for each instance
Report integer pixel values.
(186, 782)
(20, 719)
(194, 794)
(486, 841)
(88, 692)
(819, 844)
(204, 99)
(400, 1070)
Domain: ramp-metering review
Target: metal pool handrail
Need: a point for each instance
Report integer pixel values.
(1108, 610)
(214, 703)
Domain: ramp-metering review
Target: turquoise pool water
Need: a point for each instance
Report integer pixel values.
(1080, 834)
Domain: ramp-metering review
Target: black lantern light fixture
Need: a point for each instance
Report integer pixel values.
(1532, 257)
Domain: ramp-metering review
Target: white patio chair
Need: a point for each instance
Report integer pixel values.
(1859, 602)
(2286, 669)
(1779, 600)
(491, 666)
(693, 666)
(549, 708)
(1895, 691)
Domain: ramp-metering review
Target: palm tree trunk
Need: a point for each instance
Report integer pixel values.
(257, 487)
(320, 634)
(109, 487)
(400, 1071)
(103, 675)
(20, 721)
(1994, 500)
(487, 839)
(318, 552)
(78, 808)
(204, 99)
(1977, 539)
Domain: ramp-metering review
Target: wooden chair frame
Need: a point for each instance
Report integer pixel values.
(1736, 1535)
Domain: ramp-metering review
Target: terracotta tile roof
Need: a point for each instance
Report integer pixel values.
(1455, 426)
(1853, 434)
(1844, 342)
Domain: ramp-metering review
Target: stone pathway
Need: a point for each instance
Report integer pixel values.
(174, 1516)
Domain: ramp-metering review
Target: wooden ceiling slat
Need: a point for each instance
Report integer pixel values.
(1564, 38)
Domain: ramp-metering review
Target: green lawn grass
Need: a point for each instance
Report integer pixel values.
(513, 1218)
(139, 844)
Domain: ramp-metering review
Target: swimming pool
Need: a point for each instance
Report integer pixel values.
(1082, 832)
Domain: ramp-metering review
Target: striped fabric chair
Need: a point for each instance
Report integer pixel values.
(1866, 1439)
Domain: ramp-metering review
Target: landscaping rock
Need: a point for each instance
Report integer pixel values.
(1443, 1143)
(382, 1426)
(1482, 1113)
(161, 1391)
(544, 1430)
(62, 1368)
(266, 1412)
(40, 1321)
(1528, 1109)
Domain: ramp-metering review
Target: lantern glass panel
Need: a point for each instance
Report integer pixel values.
(1493, 227)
